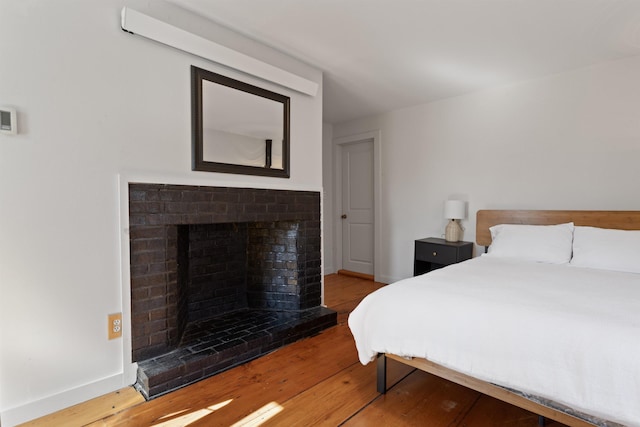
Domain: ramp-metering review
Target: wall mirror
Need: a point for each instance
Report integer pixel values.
(237, 127)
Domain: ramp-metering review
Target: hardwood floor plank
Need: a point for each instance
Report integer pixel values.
(419, 399)
(343, 311)
(275, 377)
(90, 411)
(336, 399)
(340, 289)
(345, 393)
(343, 293)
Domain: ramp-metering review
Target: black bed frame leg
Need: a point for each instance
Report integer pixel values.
(382, 373)
(541, 421)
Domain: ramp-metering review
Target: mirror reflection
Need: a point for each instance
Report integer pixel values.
(238, 128)
(241, 129)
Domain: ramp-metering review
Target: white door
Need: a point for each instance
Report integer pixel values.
(357, 207)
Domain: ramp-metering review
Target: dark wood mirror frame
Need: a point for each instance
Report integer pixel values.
(199, 75)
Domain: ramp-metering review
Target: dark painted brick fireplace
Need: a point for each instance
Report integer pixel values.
(219, 276)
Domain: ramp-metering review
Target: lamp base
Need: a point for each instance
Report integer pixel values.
(453, 232)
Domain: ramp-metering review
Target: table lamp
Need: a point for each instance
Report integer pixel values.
(454, 210)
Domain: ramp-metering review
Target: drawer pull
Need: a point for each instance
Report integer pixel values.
(435, 253)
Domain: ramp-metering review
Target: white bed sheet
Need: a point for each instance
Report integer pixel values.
(565, 333)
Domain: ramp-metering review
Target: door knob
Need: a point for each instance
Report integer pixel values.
(344, 216)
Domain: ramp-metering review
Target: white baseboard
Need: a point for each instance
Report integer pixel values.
(51, 404)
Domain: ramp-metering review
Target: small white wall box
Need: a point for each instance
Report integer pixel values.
(8, 121)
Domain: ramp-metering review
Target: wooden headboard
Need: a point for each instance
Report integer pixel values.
(623, 220)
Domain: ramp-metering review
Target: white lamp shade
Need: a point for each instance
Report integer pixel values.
(454, 209)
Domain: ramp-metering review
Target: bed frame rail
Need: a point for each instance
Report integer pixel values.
(478, 385)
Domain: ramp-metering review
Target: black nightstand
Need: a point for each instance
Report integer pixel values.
(432, 253)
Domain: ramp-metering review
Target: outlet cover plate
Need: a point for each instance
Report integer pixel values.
(115, 326)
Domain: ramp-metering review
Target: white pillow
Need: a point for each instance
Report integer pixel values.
(606, 249)
(540, 243)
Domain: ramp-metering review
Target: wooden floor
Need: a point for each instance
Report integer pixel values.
(316, 381)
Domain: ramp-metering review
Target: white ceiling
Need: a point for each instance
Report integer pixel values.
(379, 55)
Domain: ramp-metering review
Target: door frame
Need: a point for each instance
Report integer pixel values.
(338, 144)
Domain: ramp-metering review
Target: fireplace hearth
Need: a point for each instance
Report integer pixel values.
(220, 276)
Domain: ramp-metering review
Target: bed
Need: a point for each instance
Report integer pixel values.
(547, 320)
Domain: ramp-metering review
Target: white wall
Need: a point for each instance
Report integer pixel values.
(97, 107)
(328, 214)
(567, 141)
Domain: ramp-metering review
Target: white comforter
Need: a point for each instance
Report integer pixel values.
(565, 333)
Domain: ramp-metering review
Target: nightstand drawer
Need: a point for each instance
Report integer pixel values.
(438, 254)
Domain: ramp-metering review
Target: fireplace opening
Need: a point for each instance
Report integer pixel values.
(220, 276)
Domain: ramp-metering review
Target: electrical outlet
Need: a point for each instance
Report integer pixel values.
(115, 326)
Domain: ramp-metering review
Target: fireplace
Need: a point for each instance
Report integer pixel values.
(220, 276)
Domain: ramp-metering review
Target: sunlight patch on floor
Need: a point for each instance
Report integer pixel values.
(191, 417)
(260, 416)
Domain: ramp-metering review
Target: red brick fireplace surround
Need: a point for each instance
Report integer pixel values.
(219, 276)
